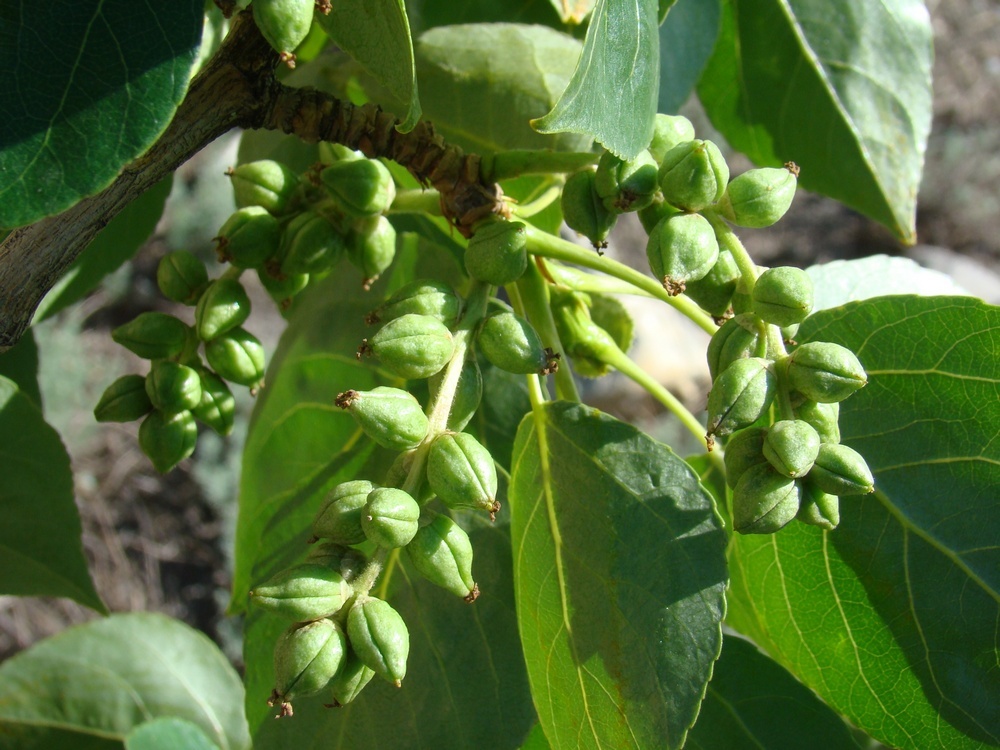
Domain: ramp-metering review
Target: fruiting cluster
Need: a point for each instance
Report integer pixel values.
(288, 228)
(285, 23)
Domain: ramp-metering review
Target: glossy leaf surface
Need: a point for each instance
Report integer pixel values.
(168, 733)
(687, 38)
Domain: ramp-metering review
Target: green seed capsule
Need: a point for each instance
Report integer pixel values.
(305, 592)
(462, 472)
(217, 408)
(589, 345)
(759, 197)
(740, 395)
(468, 394)
(284, 24)
(442, 553)
(744, 449)
(764, 501)
(680, 249)
(625, 185)
(714, 292)
(791, 447)
(825, 372)
(738, 338)
(413, 346)
(284, 289)
(840, 470)
(421, 297)
(584, 211)
(352, 678)
(824, 418)
(249, 237)
(497, 252)
(339, 517)
(152, 335)
(361, 187)
(783, 296)
(371, 247)
(379, 637)
(391, 417)
(310, 244)
(265, 183)
(693, 175)
(224, 306)
(819, 508)
(669, 131)
(510, 343)
(181, 277)
(168, 440)
(172, 387)
(390, 517)
(125, 400)
(306, 658)
(237, 356)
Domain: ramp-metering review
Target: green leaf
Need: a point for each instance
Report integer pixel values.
(536, 740)
(481, 84)
(620, 577)
(377, 35)
(96, 682)
(686, 41)
(841, 88)
(613, 93)
(40, 549)
(753, 702)
(465, 684)
(115, 244)
(892, 618)
(87, 88)
(168, 734)
(426, 14)
(505, 402)
(20, 364)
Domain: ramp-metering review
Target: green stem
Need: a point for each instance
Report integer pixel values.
(549, 246)
(233, 272)
(539, 204)
(729, 241)
(416, 201)
(515, 163)
(366, 579)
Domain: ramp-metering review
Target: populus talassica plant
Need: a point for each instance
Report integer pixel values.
(438, 544)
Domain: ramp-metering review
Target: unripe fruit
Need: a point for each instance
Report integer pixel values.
(497, 252)
(468, 394)
(412, 346)
(306, 658)
(625, 185)
(217, 407)
(306, 592)
(589, 345)
(442, 553)
(421, 297)
(224, 306)
(840, 470)
(510, 343)
(744, 449)
(783, 296)
(237, 356)
(824, 418)
(759, 197)
(361, 187)
(391, 417)
(714, 292)
(249, 237)
(284, 289)
(680, 249)
(462, 472)
(740, 395)
(284, 24)
(693, 175)
(791, 447)
(371, 247)
(379, 638)
(390, 517)
(825, 372)
(339, 517)
(669, 131)
(819, 508)
(584, 211)
(738, 338)
(168, 440)
(181, 277)
(352, 678)
(764, 501)
(310, 244)
(173, 388)
(152, 335)
(124, 400)
(265, 183)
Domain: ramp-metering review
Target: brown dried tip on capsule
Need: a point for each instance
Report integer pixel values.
(709, 442)
(288, 58)
(792, 167)
(672, 287)
(364, 349)
(324, 7)
(551, 362)
(494, 509)
(284, 707)
(472, 595)
(372, 318)
(220, 249)
(345, 399)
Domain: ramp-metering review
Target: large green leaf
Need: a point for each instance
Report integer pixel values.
(481, 84)
(40, 549)
(87, 87)
(20, 364)
(115, 244)
(426, 14)
(168, 733)
(377, 35)
(614, 89)
(687, 38)
(619, 574)
(893, 617)
(752, 702)
(841, 87)
(91, 685)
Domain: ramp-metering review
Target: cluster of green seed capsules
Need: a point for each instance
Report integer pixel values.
(289, 229)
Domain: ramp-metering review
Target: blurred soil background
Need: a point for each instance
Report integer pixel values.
(164, 543)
